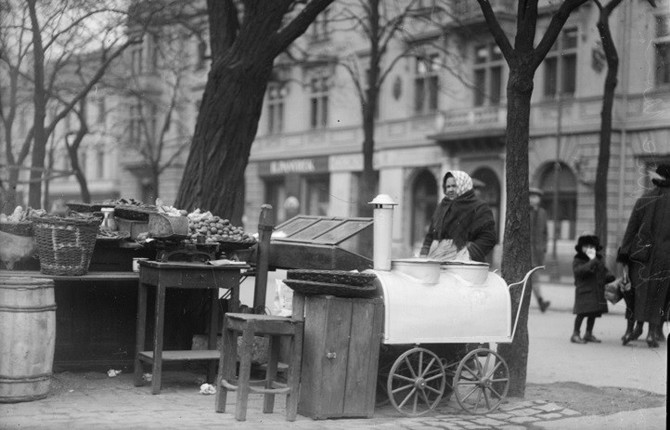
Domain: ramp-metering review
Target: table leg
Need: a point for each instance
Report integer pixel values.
(158, 340)
(140, 334)
(235, 297)
(213, 332)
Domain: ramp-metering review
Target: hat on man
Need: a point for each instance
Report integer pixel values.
(536, 191)
(588, 239)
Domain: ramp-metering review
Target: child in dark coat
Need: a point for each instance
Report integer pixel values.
(591, 275)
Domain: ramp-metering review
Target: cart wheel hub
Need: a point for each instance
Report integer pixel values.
(420, 383)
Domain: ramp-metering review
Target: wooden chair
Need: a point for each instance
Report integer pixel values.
(248, 326)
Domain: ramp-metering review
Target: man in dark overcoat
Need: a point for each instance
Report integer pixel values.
(538, 240)
(644, 253)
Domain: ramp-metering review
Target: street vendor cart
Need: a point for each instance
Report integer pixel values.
(428, 302)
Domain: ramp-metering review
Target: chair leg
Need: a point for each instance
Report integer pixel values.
(271, 375)
(227, 364)
(245, 373)
(293, 377)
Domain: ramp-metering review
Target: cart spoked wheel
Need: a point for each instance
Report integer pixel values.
(481, 381)
(416, 382)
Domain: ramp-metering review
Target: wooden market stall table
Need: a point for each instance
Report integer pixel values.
(94, 323)
(162, 276)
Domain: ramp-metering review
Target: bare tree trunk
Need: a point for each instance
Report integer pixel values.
(516, 250)
(39, 97)
(605, 122)
(242, 61)
(226, 127)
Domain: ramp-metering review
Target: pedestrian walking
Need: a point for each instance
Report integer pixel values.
(591, 275)
(644, 255)
(538, 241)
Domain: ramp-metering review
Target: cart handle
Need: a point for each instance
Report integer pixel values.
(524, 281)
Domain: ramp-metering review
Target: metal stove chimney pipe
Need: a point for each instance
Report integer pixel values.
(383, 231)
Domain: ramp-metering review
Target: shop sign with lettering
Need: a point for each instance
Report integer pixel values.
(294, 165)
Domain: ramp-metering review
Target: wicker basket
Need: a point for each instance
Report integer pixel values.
(22, 228)
(65, 245)
(341, 277)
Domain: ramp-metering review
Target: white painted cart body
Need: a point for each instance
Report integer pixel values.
(451, 310)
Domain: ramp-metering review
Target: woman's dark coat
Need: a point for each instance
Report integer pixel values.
(645, 248)
(590, 279)
(468, 221)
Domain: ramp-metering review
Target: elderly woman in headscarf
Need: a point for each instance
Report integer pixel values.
(462, 227)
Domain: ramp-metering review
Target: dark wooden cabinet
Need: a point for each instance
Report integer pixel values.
(340, 357)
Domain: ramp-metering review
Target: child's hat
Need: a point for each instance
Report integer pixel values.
(588, 239)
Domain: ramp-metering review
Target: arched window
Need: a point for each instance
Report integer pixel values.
(424, 202)
(487, 186)
(567, 199)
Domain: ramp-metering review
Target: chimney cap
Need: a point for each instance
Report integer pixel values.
(383, 199)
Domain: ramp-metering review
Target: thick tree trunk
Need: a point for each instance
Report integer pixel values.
(227, 124)
(605, 125)
(516, 250)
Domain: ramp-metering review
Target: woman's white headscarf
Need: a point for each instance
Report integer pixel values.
(463, 181)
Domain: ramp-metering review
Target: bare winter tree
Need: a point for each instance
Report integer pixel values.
(523, 57)
(245, 38)
(39, 41)
(154, 131)
(381, 24)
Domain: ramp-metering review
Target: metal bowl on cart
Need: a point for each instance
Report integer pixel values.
(460, 312)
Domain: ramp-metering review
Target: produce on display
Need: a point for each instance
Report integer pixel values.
(215, 229)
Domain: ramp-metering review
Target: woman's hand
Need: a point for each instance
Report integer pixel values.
(624, 274)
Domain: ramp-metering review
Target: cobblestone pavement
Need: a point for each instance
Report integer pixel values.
(114, 403)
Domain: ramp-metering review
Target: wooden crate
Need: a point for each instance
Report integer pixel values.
(340, 357)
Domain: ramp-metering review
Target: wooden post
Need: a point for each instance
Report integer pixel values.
(265, 227)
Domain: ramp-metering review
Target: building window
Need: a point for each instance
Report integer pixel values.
(488, 75)
(276, 95)
(560, 66)
(135, 124)
(426, 84)
(317, 195)
(662, 48)
(318, 102)
(136, 60)
(566, 214)
(203, 53)
(100, 163)
(101, 111)
(320, 28)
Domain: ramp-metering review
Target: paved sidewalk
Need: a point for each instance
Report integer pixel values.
(94, 401)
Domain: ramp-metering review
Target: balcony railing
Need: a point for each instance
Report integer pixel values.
(469, 9)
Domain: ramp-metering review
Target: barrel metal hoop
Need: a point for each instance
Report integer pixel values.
(25, 379)
(28, 309)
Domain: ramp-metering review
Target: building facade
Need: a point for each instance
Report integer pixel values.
(432, 118)
(442, 106)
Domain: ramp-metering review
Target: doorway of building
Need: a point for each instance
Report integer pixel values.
(424, 202)
(566, 217)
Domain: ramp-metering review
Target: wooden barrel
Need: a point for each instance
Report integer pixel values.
(28, 327)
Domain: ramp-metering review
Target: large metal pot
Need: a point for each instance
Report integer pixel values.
(472, 272)
(423, 270)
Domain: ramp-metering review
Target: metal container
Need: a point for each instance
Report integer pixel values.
(472, 272)
(421, 270)
(451, 311)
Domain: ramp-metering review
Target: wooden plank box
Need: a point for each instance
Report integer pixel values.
(340, 357)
